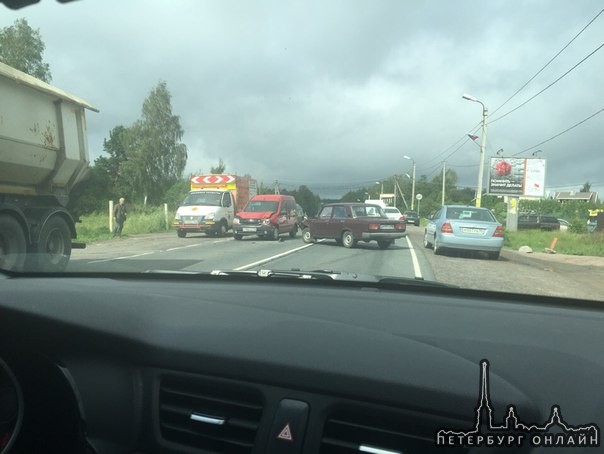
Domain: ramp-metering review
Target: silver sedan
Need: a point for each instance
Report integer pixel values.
(464, 228)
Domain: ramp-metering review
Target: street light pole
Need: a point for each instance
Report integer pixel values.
(412, 182)
(483, 143)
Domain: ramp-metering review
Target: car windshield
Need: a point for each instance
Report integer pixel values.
(204, 198)
(132, 141)
(261, 206)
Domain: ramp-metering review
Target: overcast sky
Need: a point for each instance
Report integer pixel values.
(333, 94)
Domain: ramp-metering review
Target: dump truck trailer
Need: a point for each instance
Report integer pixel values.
(43, 156)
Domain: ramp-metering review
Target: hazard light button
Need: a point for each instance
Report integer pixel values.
(289, 425)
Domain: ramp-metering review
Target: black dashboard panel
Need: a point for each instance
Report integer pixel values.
(122, 365)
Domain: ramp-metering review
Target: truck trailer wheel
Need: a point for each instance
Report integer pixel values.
(54, 247)
(13, 246)
(181, 233)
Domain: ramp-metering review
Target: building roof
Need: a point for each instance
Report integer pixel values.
(572, 195)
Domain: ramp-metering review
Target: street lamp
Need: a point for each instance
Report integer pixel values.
(483, 142)
(412, 182)
(538, 151)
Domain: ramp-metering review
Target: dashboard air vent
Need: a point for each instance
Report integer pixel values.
(368, 430)
(208, 415)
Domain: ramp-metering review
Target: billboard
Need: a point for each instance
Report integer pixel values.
(522, 177)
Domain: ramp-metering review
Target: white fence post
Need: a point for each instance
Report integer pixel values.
(166, 216)
(111, 216)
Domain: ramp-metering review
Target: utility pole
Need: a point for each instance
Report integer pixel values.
(483, 143)
(412, 182)
(444, 174)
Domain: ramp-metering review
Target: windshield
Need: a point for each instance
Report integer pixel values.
(204, 199)
(457, 114)
(261, 206)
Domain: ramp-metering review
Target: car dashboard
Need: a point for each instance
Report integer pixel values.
(231, 364)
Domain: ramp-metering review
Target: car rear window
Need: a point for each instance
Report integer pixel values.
(470, 214)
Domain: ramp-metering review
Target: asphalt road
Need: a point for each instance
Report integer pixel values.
(164, 251)
(537, 274)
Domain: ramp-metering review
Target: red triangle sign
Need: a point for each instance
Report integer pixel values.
(286, 433)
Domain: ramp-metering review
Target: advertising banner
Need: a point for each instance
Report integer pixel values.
(517, 177)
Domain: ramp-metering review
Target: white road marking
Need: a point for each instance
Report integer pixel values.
(268, 259)
(416, 268)
(182, 247)
(195, 245)
(122, 258)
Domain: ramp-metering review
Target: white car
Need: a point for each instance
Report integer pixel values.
(393, 213)
(564, 225)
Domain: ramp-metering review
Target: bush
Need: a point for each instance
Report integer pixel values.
(578, 226)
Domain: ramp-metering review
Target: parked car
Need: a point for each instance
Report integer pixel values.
(349, 223)
(394, 213)
(411, 217)
(564, 224)
(542, 222)
(464, 228)
(267, 216)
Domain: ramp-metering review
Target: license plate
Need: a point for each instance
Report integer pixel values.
(473, 231)
(249, 229)
(387, 227)
(190, 221)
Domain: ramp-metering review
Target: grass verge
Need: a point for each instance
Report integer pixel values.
(591, 244)
(95, 227)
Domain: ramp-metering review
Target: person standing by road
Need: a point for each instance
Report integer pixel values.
(119, 216)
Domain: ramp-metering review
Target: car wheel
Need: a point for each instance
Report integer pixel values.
(307, 236)
(220, 230)
(54, 248)
(384, 244)
(417, 224)
(237, 237)
(293, 232)
(438, 250)
(347, 239)
(181, 233)
(427, 244)
(13, 245)
(494, 255)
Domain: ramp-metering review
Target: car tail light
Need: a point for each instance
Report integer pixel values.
(374, 226)
(402, 218)
(498, 231)
(399, 226)
(446, 228)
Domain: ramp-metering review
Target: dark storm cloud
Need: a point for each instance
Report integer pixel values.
(334, 93)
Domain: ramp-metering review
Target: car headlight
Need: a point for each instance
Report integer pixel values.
(266, 221)
(236, 221)
(210, 216)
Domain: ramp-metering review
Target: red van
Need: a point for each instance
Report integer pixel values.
(267, 216)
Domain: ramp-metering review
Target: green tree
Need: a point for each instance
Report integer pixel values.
(155, 157)
(586, 187)
(22, 47)
(220, 168)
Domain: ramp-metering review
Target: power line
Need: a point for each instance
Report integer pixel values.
(560, 133)
(549, 62)
(475, 128)
(548, 86)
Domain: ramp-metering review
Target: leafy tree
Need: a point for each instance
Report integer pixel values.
(220, 168)
(22, 47)
(154, 156)
(586, 187)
